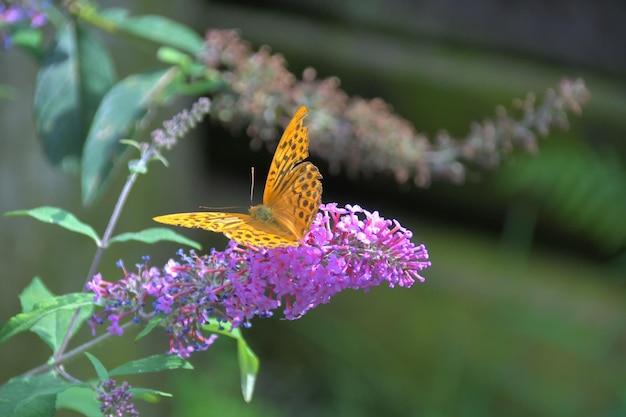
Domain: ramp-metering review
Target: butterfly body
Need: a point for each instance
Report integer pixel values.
(262, 213)
(292, 195)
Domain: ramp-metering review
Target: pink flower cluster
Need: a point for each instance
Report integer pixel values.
(346, 248)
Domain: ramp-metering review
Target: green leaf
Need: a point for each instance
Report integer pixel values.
(248, 361)
(154, 322)
(101, 370)
(156, 234)
(138, 166)
(31, 396)
(29, 40)
(79, 399)
(155, 363)
(248, 369)
(199, 88)
(123, 107)
(198, 79)
(149, 395)
(157, 29)
(76, 73)
(52, 328)
(60, 217)
(25, 321)
(174, 57)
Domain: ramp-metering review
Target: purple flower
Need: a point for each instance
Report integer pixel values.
(20, 14)
(12, 14)
(115, 401)
(346, 248)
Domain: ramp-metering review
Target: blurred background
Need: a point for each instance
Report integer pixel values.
(522, 313)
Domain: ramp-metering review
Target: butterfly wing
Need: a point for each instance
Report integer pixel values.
(293, 189)
(296, 206)
(213, 221)
(261, 235)
(292, 149)
(239, 227)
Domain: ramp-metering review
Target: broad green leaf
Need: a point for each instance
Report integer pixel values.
(31, 396)
(76, 73)
(25, 321)
(157, 29)
(80, 399)
(58, 216)
(156, 234)
(155, 363)
(123, 107)
(101, 370)
(248, 361)
(52, 328)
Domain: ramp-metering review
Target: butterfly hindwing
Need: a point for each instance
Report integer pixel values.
(261, 235)
(295, 207)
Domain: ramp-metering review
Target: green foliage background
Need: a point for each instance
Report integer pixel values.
(523, 310)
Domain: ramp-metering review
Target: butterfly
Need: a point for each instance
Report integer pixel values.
(293, 193)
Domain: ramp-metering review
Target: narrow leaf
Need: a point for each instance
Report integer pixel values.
(248, 369)
(155, 363)
(154, 322)
(149, 395)
(103, 374)
(154, 235)
(60, 217)
(75, 74)
(248, 361)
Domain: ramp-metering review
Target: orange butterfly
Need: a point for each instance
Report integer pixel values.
(292, 195)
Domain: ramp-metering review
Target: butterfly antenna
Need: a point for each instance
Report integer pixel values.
(252, 185)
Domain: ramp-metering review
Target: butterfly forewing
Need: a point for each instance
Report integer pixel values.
(292, 148)
(239, 227)
(212, 221)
